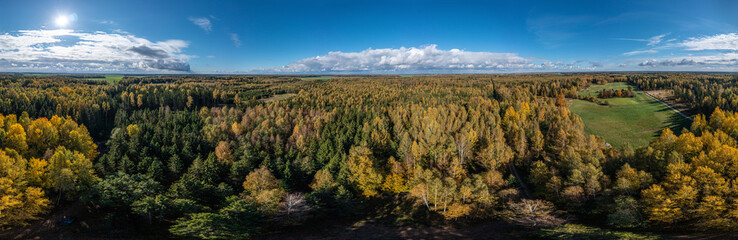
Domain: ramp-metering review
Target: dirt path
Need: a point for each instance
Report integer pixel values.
(669, 106)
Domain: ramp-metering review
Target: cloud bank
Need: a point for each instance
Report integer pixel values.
(428, 59)
(67, 50)
(717, 42)
(719, 62)
(714, 53)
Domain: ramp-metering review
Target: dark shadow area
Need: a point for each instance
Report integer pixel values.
(368, 229)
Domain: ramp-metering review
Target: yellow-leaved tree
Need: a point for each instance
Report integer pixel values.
(264, 189)
(363, 173)
(18, 201)
(70, 172)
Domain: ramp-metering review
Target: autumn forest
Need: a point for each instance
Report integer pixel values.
(237, 157)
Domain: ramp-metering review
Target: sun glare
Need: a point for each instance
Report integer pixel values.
(62, 21)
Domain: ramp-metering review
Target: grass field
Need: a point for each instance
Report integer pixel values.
(111, 78)
(633, 121)
(278, 97)
(575, 231)
(592, 90)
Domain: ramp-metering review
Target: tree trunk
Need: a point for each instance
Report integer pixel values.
(58, 199)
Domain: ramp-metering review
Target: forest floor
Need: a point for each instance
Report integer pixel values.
(635, 121)
(494, 229)
(367, 229)
(91, 224)
(85, 223)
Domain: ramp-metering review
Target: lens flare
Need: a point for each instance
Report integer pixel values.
(65, 19)
(62, 21)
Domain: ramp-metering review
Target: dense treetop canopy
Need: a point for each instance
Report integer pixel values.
(222, 157)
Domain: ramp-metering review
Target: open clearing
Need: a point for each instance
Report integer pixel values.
(278, 97)
(633, 121)
(592, 90)
(111, 78)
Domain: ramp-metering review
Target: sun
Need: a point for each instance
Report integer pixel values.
(62, 21)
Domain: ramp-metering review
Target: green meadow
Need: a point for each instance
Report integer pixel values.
(633, 121)
(592, 90)
(110, 78)
(278, 97)
(576, 231)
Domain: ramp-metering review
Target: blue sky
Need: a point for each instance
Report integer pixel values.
(367, 36)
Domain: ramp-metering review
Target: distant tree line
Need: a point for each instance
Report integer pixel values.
(619, 93)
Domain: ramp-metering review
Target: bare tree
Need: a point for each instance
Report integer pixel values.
(294, 203)
(462, 146)
(532, 213)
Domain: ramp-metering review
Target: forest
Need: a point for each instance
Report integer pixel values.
(239, 157)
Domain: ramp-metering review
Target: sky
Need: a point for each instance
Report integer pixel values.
(366, 37)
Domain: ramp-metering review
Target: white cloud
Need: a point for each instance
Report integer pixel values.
(656, 39)
(236, 40)
(423, 59)
(650, 51)
(203, 23)
(717, 42)
(652, 41)
(71, 51)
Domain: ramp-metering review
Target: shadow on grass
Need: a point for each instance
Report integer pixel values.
(575, 231)
(676, 123)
